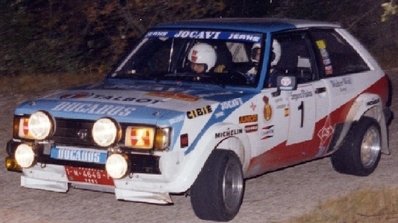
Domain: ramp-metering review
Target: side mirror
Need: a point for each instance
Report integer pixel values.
(286, 83)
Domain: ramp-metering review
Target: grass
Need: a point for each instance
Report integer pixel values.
(364, 206)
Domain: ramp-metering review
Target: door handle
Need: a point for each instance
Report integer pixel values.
(320, 90)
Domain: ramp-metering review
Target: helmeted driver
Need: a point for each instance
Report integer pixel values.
(276, 53)
(275, 58)
(202, 57)
(255, 58)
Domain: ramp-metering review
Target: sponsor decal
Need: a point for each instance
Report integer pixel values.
(267, 132)
(267, 109)
(246, 37)
(199, 112)
(205, 34)
(157, 34)
(329, 70)
(231, 104)
(228, 133)
(301, 94)
(174, 95)
(286, 112)
(76, 95)
(324, 135)
(281, 106)
(77, 154)
(327, 61)
(373, 102)
(89, 95)
(248, 118)
(92, 108)
(251, 128)
(253, 106)
(343, 84)
(197, 34)
(321, 44)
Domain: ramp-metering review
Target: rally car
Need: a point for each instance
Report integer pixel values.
(199, 106)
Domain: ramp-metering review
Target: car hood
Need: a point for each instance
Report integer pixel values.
(149, 103)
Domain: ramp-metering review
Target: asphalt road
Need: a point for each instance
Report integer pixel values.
(273, 197)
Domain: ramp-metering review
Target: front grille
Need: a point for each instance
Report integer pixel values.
(73, 132)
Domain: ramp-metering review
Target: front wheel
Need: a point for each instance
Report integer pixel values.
(218, 191)
(361, 151)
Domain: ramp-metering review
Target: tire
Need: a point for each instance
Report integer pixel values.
(217, 193)
(360, 154)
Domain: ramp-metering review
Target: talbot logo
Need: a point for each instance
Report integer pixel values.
(82, 134)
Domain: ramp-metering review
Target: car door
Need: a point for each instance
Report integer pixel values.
(308, 103)
(292, 124)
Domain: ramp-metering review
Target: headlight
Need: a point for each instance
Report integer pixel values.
(162, 138)
(116, 166)
(38, 126)
(140, 137)
(24, 155)
(105, 132)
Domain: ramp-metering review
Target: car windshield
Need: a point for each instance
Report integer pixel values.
(211, 57)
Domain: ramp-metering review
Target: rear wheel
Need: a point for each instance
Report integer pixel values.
(218, 191)
(361, 151)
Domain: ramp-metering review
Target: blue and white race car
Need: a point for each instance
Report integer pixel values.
(199, 106)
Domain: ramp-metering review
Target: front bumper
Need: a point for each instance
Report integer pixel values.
(144, 184)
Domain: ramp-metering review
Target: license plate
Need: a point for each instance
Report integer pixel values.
(88, 175)
(79, 154)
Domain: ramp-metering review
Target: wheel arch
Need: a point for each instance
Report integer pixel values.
(366, 105)
(195, 160)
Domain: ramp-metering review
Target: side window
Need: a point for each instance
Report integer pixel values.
(335, 56)
(291, 55)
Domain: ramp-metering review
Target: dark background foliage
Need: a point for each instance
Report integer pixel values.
(58, 36)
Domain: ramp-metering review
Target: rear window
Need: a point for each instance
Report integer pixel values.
(336, 56)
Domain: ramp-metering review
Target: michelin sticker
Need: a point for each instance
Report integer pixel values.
(228, 133)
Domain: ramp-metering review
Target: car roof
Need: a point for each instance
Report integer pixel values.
(248, 24)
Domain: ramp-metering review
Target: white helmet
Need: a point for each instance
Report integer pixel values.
(254, 52)
(276, 52)
(203, 53)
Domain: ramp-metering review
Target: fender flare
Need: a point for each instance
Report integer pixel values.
(194, 161)
(369, 105)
